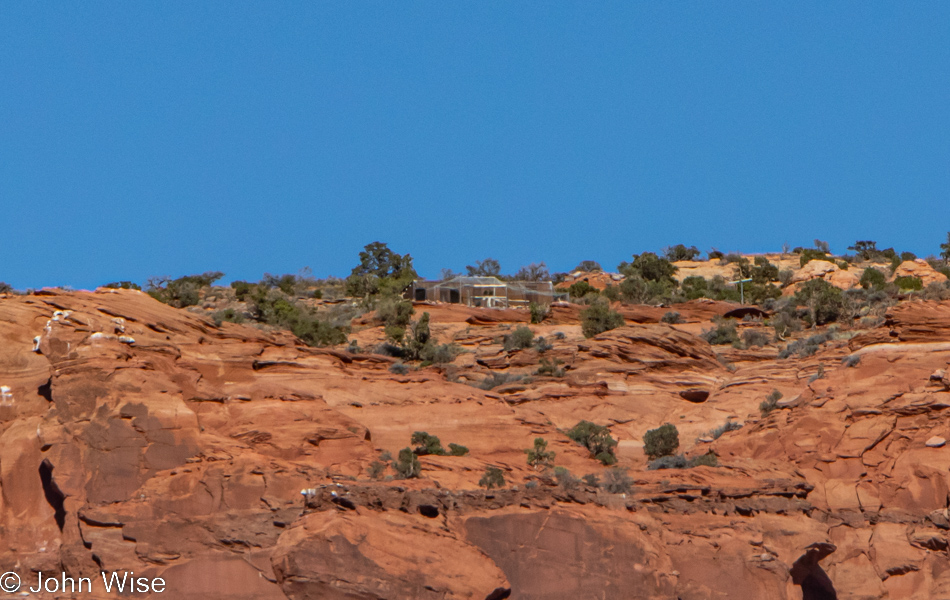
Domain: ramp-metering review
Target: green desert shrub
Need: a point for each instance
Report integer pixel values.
(115, 285)
(398, 368)
(671, 317)
(723, 333)
(427, 444)
(519, 339)
(565, 479)
(581, 289)
(681, 462)
(241, 289)
(809, 254)
(550, 368)
(597, 440)
(616, 481)
(808, 346)
(662, 441)
(457, 450)
(591, 480)
(680, 252)
(755, 337)
(872, 278)
(650, 267)
(540, 457)
(498, 379)
(229, 314)
(598, 318)
(729, 425)
(637, 290)
(492, 478)
(439, 354)
(770, 403)
(181, 292)
(538, 311)
(824, 300)
(909, 283)
(407, 465)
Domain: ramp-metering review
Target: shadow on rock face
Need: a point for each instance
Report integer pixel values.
(815, 583)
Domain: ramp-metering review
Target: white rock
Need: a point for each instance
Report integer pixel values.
(936, 442)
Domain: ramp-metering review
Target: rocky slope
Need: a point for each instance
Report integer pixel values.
(135, 436)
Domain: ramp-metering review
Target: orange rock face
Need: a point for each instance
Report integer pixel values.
(237, 463)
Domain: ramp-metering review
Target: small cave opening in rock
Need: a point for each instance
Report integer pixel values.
(46, 390)
(428, 510)
(54, 496)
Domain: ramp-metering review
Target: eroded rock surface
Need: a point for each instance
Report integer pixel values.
(135, 436)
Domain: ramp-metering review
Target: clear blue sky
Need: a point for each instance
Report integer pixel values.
(147, 138)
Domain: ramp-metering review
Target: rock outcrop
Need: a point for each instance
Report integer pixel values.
(238, 463)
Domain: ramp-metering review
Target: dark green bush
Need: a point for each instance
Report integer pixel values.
(636, 290)
(492, 478)
(597, 440)
(229, 314)
(866, 250)
(398, 368)
(380, 271)
(671, 317)
(542, 345)
(612, 293)
(764, 271)
(497, 379)
(770, 403)
(591, 480)
(550, 368)
(285, 283)
(681, 462)
(439, 354)
(539, 456)
(457, 450)
(806, 347)
(565, 480)
(407, 465)
(662, 441)
(616, 481)
(181, 292)
(724, 428)
(680, 252)
(852, 360)
(724, 333)
(115, 285)
(909, 283)
(520, 338)
(581, 289)
(694, 287)
(754, 337)
(588, 266)
(809, 254)
(538, 312)
(598, 318)
(427, 444)
(273, 308)
(823, 299)
(241, 289)
(714, 254)
(706, 460)
(668, 462)
(650, 267)
(872, 278)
